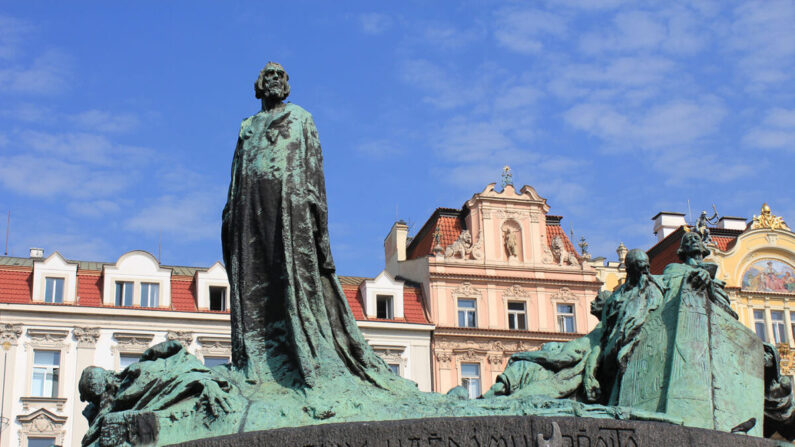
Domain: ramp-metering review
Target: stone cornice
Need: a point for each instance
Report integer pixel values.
(511, 280)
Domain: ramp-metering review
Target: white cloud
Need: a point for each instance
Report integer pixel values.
(94, 208)
(104, 121)
(191, 216)
(374, 23)
(84, 147)
(47, 74)
(677, 122)
(516, 97)
(525, 30)
(50, 177)
(444, 90)
(762, 33)
(777, 131)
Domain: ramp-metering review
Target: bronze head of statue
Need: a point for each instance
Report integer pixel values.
(692, 247)
(272, 85)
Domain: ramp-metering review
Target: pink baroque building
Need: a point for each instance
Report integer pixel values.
(499, 276)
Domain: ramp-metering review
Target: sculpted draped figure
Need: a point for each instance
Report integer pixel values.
(588, 368)
(288, 310)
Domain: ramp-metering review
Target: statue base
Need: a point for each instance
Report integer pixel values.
(502, 431)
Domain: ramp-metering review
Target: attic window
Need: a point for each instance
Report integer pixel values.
(217, 298)
(384, 307)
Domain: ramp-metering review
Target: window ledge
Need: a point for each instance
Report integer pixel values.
(56, 403)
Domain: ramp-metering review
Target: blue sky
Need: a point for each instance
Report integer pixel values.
(118, 122)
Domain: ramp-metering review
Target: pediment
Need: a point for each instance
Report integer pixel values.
(56, 261)
(216, 271)
(42, 418)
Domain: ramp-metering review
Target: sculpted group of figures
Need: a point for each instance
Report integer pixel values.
(668, 348)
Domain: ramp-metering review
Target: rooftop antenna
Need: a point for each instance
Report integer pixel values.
(8, 226)
(159, 245)
(690, 212)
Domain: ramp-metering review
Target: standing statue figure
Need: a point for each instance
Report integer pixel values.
(290, 320)
(509, 237)
(702, 225)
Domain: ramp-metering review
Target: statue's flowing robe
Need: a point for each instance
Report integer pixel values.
(288, 311)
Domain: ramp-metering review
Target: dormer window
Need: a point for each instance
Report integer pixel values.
(383, 297)
(137, 280)
(53, 290)
(384, 307)
(150, 294)
(124, 293)
(218, 298)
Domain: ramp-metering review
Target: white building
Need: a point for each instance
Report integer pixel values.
(59, 316)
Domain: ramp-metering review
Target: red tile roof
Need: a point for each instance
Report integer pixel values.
(16, 286)
(89, 289)
(182, 298)
(556, 230)
(413, 311)
(450, 226)
(354, 297)
(724, 243)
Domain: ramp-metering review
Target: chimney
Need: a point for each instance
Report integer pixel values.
(666, 223)
(395, 243)
(732, 223)
(36, 253)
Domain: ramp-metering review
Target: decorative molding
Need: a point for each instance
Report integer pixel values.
(470, 354)
(516, 291)
(771, 238)
(86, 336)
(466, 290)
(391, 354)
(41, 424)
(214, 346)
(513, 214)
(47, 338)
(464, 248)
(56, 403)
(495, 359)
(444, 358)
(184, 337)
(10, 333)
(564, 294)
(131, 343)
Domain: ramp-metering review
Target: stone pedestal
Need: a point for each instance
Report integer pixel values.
(694, 361)
(502, 431)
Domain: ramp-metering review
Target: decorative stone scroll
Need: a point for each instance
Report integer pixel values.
(392, 355)
(214, 346)
(466, 290)
(516, 291)
(184, 337)
(85, 336)
(9, 333)
(443, 357)
(564, 294)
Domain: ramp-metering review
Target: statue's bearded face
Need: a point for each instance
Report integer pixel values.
(272, 83)
(274, 79)
(691, 244)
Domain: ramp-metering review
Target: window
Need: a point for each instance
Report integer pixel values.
(470, 379)
(792, 323)
(150, 294)
(759, 324)
(41, 442)
(395, 368)
(565, 318)
(53, 290)
(217, 298)
(215, 361)
(124, 293)
(46, 365)
(467, 316)
(126, 360)
(779, 331)
(517, 318)
(383, 306)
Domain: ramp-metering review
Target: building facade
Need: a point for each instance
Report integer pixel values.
(500, 276)
(59, 316)
(756, 260)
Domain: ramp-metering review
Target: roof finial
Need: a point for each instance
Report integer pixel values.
(507, 177)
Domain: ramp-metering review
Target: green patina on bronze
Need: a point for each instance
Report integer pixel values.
(667, 348)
